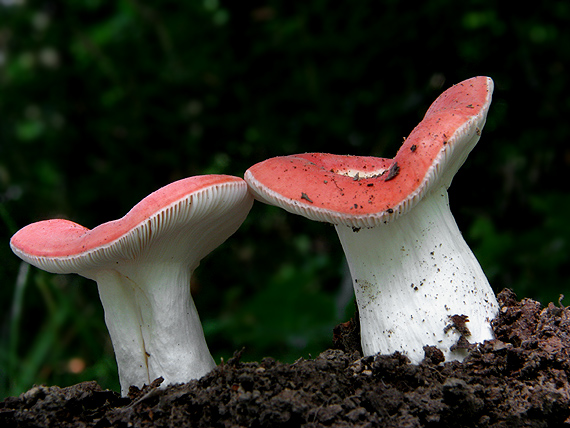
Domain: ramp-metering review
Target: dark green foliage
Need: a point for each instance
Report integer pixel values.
(103, 102)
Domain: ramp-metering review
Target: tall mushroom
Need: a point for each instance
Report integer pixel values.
(142, 264)
(416, 280)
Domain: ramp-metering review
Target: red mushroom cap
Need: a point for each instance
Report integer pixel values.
(62, 246)
(366, 191)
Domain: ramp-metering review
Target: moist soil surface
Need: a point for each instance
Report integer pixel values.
(520, 379)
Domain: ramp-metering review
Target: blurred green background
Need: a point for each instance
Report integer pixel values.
(103, 102)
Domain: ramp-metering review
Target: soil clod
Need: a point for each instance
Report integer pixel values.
(518, 380)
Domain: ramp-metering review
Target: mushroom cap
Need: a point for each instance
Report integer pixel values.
(62, 246)
(363, 191)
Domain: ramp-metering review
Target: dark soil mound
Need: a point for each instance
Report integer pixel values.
(518, 380)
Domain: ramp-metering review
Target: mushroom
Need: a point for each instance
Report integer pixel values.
(413, 274)
(142, 264)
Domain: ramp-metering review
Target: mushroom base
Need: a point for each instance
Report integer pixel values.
(418, 283)
(156, 334)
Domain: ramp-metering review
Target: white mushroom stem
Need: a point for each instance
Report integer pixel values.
(153, 324)
(410, 276)
(149, 311)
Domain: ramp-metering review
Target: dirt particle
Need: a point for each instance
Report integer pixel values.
(393, 172)
(458, 322)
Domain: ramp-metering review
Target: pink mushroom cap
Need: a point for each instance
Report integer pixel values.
(365, 191)
(49, 243)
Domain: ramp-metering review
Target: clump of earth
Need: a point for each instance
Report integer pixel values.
(520, 379)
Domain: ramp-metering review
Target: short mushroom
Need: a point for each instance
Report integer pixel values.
(142, 264)
(412, 271)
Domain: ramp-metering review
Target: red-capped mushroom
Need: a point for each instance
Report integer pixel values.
(412, 270)
(142, 264)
